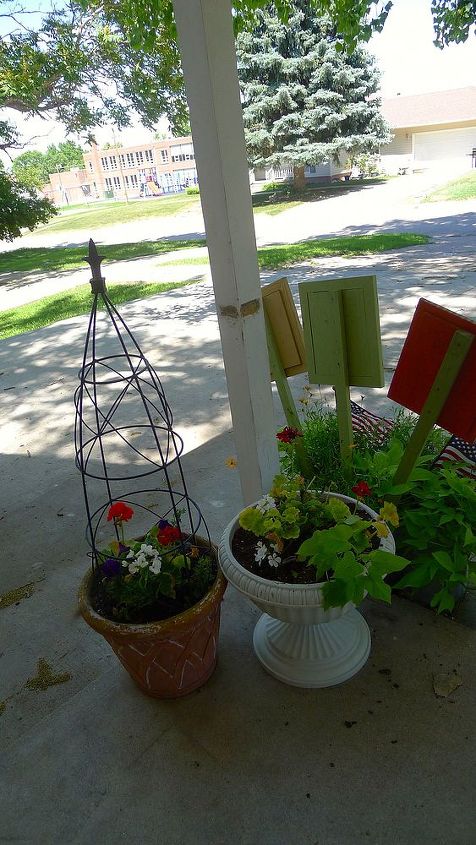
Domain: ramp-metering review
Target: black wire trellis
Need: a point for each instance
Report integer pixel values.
(124, 437)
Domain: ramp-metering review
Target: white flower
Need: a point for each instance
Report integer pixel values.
(265, 504)
(155, 566)
(124, 563)
(261, 552)
(274, 559)
(130, 555)
(141, 560)
(133, 568)
(147, 550)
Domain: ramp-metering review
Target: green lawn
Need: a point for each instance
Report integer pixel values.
(285, 196)
(92, 216)
(72, 303)
(270, 257)
(282, 255)
(459, 189)
(55, 259)
(276, 207)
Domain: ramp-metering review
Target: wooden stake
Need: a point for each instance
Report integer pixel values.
(289, 407)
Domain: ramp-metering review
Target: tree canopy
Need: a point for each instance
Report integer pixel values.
(20, 207)
(33, 168)
(85, 65)
(356, 20)
(304, 102)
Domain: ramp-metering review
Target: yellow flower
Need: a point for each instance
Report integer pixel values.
(381, 529)
(231, 463)
(389, 514)
(304, 401)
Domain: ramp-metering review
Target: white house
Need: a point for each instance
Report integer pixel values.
(431, 130)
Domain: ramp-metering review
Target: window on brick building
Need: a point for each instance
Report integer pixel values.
(183, 152)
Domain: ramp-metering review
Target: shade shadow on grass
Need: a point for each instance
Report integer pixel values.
(73, 303)
(73, 257)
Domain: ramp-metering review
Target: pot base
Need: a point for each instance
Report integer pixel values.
(313, 655)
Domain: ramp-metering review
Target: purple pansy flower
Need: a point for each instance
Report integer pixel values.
(111, 567)
(163, 523)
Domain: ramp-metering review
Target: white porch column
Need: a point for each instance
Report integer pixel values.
(209, 62)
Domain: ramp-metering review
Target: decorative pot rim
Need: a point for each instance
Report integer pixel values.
(285, 588)
(113, 628)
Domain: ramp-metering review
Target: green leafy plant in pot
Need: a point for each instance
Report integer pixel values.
(307, 558)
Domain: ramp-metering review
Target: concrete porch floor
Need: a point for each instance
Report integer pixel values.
(379, 760)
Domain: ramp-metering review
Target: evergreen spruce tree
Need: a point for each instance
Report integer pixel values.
(304, 100)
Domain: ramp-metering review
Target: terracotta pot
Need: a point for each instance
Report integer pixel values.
(170, 658)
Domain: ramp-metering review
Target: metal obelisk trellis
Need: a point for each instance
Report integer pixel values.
(126, 447)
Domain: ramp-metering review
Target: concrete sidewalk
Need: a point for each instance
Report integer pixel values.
(246, 760)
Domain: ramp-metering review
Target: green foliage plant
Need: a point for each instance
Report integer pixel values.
(437, 505)
(20, 208)
(438, 514)
(269, 187)
(192, 191)
(155, 576)
(295, 522)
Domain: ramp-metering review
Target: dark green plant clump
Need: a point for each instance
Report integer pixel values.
(437, 505)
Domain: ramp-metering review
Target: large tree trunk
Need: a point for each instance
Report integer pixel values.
(299, 178)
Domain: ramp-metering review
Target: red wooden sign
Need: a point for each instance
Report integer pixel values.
(429, 336)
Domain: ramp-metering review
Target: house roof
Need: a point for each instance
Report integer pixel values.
(452, 106)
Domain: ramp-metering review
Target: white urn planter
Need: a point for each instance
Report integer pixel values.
(295, 639)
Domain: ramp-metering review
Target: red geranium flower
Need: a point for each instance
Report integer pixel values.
(361, 489)
(288, 434)
(119, 512)
(168, 535)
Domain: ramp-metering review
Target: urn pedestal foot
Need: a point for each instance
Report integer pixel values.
(313, 655)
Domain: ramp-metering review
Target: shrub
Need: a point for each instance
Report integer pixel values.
(275, 186)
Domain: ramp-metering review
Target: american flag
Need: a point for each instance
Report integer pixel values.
(456, 450)
(460, 451)
(364, 422)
